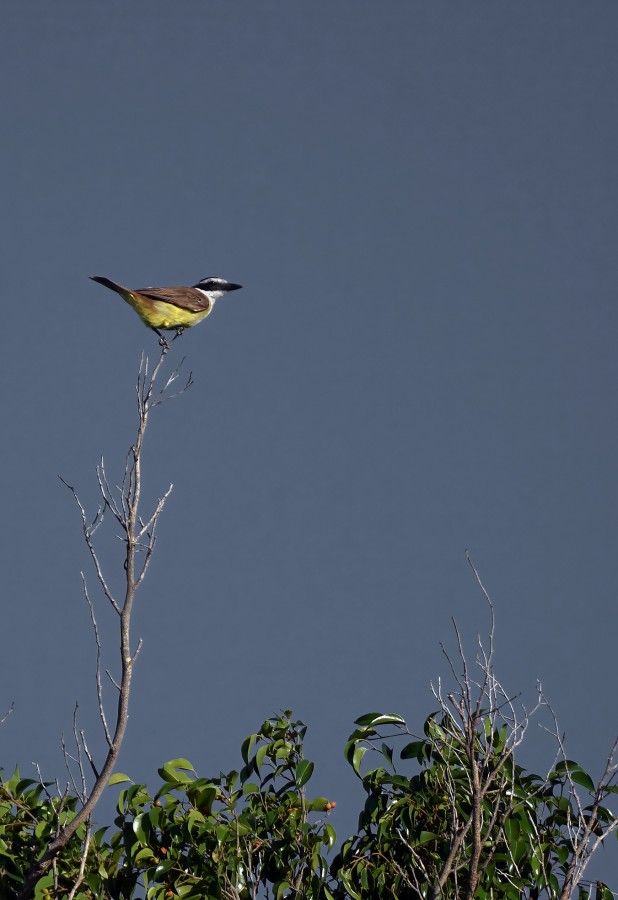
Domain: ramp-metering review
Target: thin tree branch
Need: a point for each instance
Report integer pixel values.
(106, 731)
(7, 713)
(82, 863)
(125, 509)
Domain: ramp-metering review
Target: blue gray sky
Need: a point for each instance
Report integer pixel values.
(420, 200)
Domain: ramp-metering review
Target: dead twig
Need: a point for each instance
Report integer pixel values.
(139, 537)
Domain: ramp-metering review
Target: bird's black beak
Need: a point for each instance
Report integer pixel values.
(230, 286)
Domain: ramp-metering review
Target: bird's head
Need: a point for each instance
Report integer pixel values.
(215, 287)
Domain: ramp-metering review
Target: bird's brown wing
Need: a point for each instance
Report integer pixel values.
(183, 297)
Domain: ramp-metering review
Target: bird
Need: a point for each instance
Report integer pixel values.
(172, 308)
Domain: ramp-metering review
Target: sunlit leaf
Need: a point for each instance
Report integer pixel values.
(329, 836)
(181, 763)
(169, 773)
(373, 719)
(118, 778)
(141, 825)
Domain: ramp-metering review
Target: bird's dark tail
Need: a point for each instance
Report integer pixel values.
(108, 283)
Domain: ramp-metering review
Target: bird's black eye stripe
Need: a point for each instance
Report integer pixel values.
(216, 284)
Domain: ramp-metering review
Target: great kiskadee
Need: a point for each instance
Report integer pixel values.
(172, 308)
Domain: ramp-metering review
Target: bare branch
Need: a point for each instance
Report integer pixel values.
(80, 762)
(137, 651)
(106, 731)
(7, 713)
(163, 396)
(82, 863)
(68, 759)
(152, 521)
(88, 539)
(112, 679)
(488, 658)
(107, 493)
(88, 755)
(138, 536)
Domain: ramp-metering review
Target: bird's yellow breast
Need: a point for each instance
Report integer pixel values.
(158, 314)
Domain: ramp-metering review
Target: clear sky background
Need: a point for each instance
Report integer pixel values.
(420, 200)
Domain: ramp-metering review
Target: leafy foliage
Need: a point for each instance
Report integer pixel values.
(467, 821)
(239, 835)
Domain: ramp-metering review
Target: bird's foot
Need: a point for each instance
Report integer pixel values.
(163, 344)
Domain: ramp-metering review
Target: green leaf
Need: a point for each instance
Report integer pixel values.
(347, 883)
(581, 777)
(195, 818)
(247, 746)
(181, 763)
(424, 837)
(206, 798)
(41, 828)
(357, 758)
(283, 748)
(121, 803)
(118, 778)
(396, 780)
(414, 750)
(156, 891)
(245, 773)
(329, 836)
(164, 867)
(380, 719)
(170, 773)
(46, 881)
(260, 754)
(304, 771)
(186, 891)
(141, 825)
(387, 753)
(566, 765)
(499, 738)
